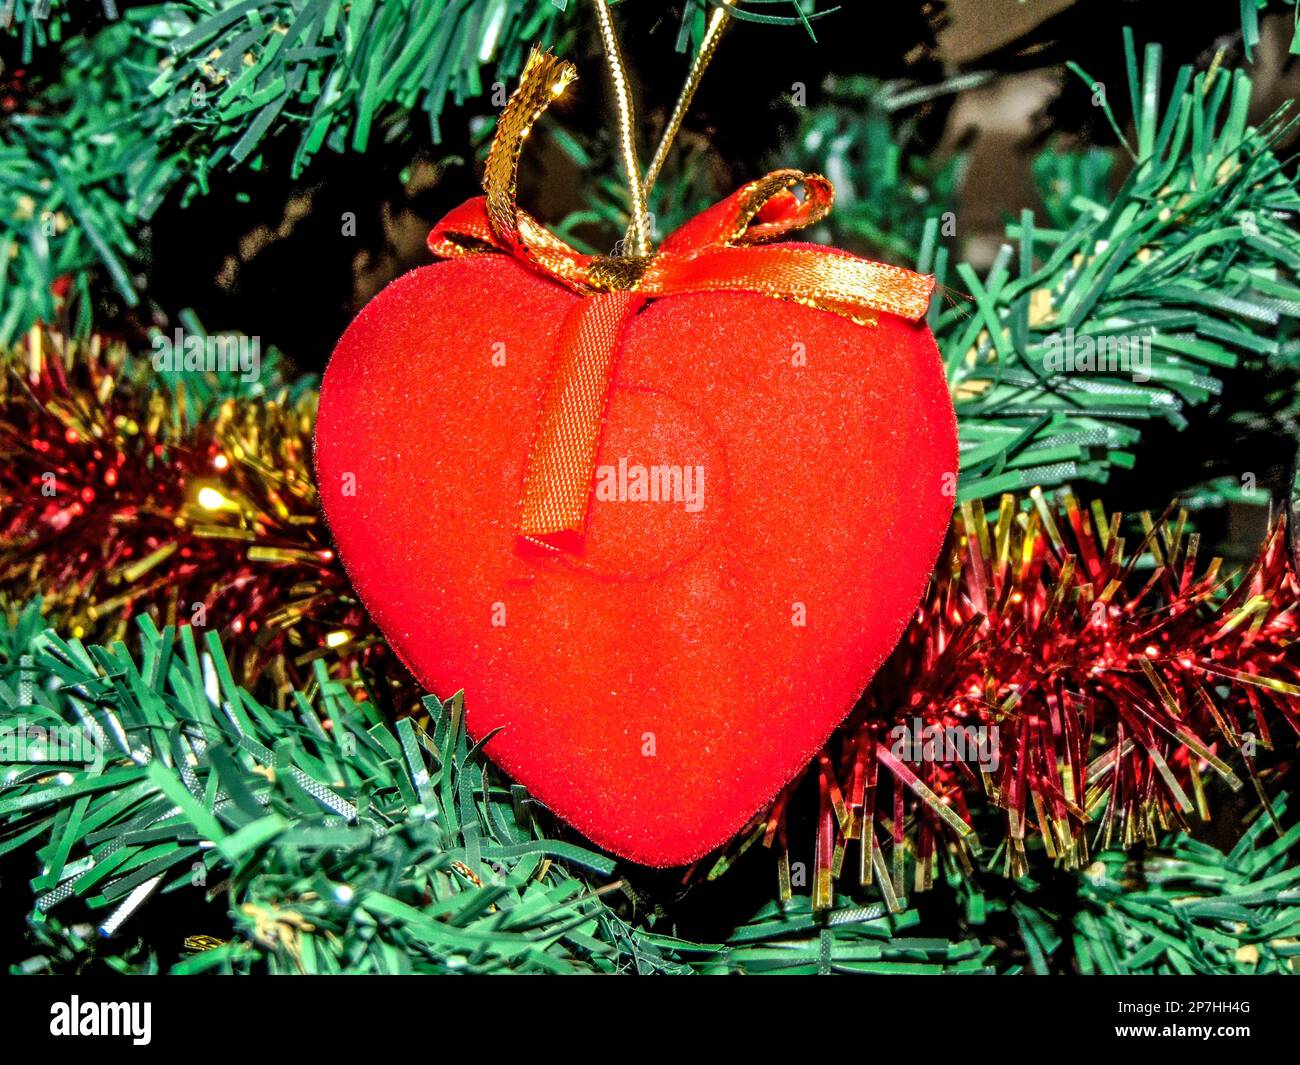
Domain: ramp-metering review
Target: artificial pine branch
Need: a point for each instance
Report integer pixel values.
(158, 100)
(1192, 261)
(1192, 908)
(338, 842)
(335, 841)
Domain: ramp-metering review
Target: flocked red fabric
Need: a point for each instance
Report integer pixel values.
(659, 687)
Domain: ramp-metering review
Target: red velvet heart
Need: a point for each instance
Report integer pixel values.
(659, 686)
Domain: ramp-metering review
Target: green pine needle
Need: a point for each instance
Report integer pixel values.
(335, 842)
(338, 843)
(1194, 909)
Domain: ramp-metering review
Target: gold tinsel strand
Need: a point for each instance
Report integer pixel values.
(121, 492)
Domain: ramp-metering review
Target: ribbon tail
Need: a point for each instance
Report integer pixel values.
(562, 461)
(829, 280)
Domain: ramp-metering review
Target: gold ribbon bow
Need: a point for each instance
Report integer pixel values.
(714, 252)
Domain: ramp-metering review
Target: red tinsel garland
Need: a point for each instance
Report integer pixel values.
(1116, 676)
(1110, 679)
(114, 501)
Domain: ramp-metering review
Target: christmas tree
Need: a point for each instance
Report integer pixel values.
(1076, 757)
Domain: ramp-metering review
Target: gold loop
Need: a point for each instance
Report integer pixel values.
(712, 35)
(544, 78)
(819, 198)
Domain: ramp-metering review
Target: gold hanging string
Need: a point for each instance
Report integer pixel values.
(638, 231)
(718, 21)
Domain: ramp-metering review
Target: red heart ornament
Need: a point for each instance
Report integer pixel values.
(656, 686)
